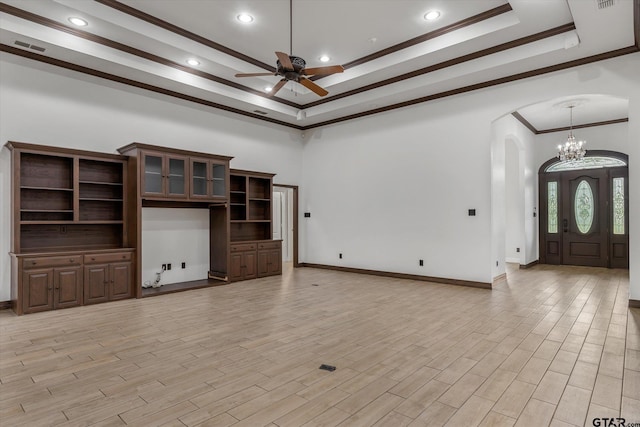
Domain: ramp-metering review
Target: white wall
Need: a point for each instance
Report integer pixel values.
(391, 189)
(385, 190)
(514, 200)
(44, 105)
(174, 236)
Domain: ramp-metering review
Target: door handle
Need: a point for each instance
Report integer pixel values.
(565, 225)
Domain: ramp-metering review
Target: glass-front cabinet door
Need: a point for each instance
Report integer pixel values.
(164, 175)
(199, 178)
(208, 179)
(153, 174)
(218, 179)
(176, 176)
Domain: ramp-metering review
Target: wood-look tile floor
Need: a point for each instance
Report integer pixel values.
(549, 346)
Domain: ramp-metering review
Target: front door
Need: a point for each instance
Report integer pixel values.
(585, 218)
(583, 212)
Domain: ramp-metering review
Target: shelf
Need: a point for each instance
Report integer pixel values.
(101, 183)
(24, 187)
(255, 199)
(238, 192)
(43, 222)
(48, 210)
(238, 204)
(246, 221)
(99, 199)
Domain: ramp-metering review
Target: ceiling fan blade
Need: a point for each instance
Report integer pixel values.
(254, 74)
(284, 60)
(331, 69)
(278, 86)
(312, 86)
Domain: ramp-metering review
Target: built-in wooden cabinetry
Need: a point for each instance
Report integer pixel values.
(253, 253)
(172, 178)
(68, 205)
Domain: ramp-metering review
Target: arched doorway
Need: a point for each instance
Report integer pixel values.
(584, 211)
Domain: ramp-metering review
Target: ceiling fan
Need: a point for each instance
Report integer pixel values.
(293, 68)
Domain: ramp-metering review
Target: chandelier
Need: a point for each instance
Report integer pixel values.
(572, 149)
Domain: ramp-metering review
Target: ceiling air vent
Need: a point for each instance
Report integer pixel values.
(29, 46)
(260, 112)
(603, 4)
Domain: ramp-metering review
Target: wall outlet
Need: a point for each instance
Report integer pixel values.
(340, 256)
(164, 267)
(517, 249)
(421, 263)
(168, 266)
(496, 263)
(184, 265)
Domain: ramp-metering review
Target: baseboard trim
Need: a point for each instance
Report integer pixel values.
(634, 303)
(500, 277)
(531, 264)
(468, 283)
(5, 305)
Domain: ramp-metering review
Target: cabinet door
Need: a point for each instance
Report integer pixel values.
(218, 179)
(275, 262)
(263, 263)
(250, 265)
(153, 183)
(120, 280)
(96, 283)
(67, 284)
(200, 186)
(235, 271)
(176, 167)
(37, 289)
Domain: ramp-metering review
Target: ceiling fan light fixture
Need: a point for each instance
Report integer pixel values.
(432, 15)
(324, 58)
(79, 22)
(192, 61)
(245, 18)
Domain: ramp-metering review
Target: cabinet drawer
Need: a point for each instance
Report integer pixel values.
(269, 245)
(110, 257)
(54, 261)
(243, 247)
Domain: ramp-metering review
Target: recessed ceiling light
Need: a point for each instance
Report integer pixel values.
(324, 58)
(78, 21)
(192, 61)
(432, 15)
(244, 18)
(268, 89)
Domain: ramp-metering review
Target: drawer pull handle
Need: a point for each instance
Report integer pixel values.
(93, 259)
(71, 260)
(124, 256)
(34, 262)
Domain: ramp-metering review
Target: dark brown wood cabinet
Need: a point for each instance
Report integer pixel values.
(172, 178)
(269, 258)
(243, 262)
(66, 203)
(253, 253)
(164, 175)
(107, 282)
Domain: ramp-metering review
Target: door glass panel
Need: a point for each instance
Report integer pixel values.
(552, 207)
(584, 206)
(152, 174)
(176, 176)
(218, 176)
(618, 206)
(199, 178)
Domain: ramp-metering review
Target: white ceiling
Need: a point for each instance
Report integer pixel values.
(151, 43)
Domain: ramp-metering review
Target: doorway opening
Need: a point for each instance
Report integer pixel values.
(584, 209)
(285, 222)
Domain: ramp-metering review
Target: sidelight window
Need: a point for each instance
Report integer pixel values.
(618, 206)
(552, 206)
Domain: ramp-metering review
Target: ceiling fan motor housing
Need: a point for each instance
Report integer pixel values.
(298, 63)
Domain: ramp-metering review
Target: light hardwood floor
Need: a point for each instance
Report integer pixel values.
(548, 346)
